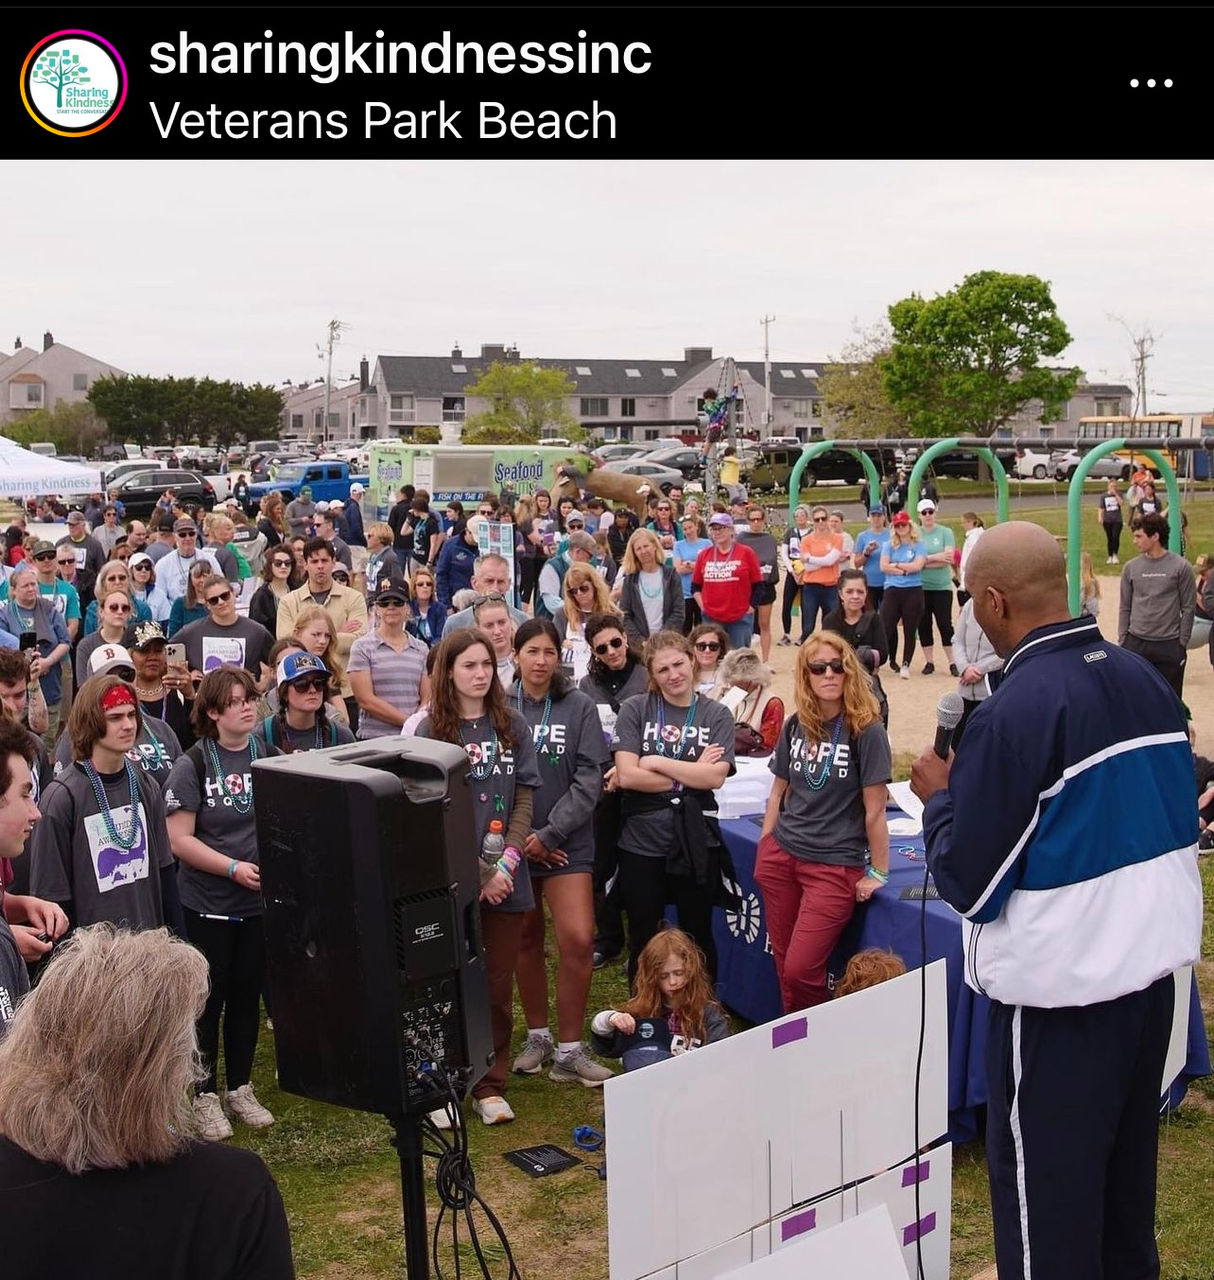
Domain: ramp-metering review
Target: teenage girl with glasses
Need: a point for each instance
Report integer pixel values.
(825, 818)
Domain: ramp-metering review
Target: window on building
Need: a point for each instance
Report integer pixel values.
(1108, 407)
(800, 408)
(815, 408)
(318, 418)
(453, 409)
(400, 408)
(787, 373)
(459, 368)
(653, 435)
(582, 370)
(297, 422)
(594, 407)
(33, 393)
(628, 407)
(669, 373)
(815, 433)
(632, 373)
(80, 382)
(809, 373)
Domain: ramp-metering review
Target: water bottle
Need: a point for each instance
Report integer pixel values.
(494, 844)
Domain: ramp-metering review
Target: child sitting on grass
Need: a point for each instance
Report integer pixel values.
(672, 1012)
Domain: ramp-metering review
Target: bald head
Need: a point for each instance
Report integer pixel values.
(1017, 576)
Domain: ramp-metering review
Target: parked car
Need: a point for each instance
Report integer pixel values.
(122, 469)
(774, 466)
(1065, 461)
(141, 490)
(618, 452)
(680, 456)
(662, 477)
(1031, 465)
(965, 463)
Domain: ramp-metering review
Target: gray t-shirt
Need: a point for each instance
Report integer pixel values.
(828, 825)
(395, 677)
(643, 723)
(299, 514)
(493, 796)
(155, 752)
(570, 752)
(208, 646)
(14, 977)
(74, 859)
(222, 822)
(767, 552)
(301, 739)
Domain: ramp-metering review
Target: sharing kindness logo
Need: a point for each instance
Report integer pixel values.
(73, 83)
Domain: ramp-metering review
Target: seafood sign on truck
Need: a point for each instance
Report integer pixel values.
(463, 473)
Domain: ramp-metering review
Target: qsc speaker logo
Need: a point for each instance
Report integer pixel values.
(73, 83)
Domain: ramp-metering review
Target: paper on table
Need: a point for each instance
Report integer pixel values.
(906, 800)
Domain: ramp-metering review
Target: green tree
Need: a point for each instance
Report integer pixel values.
(966, 361)
(525, 399)
(854, 398)
(146, 410)
(427, 435)
(59, 69)
(71, 428)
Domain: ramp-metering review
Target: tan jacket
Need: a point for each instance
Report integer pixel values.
(343, 605)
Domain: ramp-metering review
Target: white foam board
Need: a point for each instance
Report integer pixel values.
(1178, 1041)
(931, 1225)
(860, 1248)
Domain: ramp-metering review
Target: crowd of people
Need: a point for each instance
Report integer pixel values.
(604, 680)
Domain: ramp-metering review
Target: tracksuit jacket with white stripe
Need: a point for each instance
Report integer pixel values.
(1067, 837)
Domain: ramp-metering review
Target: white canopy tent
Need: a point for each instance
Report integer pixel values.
(24, 473)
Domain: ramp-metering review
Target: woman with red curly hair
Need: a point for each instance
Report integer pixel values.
(824, 844)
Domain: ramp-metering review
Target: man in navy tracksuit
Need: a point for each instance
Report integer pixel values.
(1065, 833)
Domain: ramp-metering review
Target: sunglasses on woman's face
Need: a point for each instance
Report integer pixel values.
(284, 564)
(821, 668)
(708, 646)
(583, 586)
(222, 598)
(313, 684)
(614, 643)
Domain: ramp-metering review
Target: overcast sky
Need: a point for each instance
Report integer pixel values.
(233, 269)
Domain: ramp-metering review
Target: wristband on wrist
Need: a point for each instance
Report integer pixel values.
(882, 876)
(232, 869)
(511, 857)
(501, 866)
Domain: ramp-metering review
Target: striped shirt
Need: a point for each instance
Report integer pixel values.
(395, 677)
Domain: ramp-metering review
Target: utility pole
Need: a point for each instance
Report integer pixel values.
(335, 327)
(766, 322)
(1143, 344)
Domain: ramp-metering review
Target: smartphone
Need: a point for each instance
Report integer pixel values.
(174, 655)
(28, 640)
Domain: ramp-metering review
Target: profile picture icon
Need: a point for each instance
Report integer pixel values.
(73, 83)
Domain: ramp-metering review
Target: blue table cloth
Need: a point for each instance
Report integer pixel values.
(746, 972)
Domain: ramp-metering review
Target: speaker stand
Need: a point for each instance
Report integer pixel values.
(408, 1144)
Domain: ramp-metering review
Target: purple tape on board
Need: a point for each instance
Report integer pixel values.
(798, 1224)
(787, 1032)
(917, 1229)
(916, 1173)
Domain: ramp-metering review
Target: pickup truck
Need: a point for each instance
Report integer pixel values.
(327, 480)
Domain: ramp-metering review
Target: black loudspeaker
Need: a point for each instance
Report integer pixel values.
(369, 874)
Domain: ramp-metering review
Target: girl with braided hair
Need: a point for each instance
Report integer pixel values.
(301, 722)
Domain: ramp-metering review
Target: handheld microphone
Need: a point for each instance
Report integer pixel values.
(949, 711)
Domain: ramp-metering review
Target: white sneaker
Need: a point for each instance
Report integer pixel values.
(493, 1110)
(441, 1119)
(580, 1068)
(242, 1104)
(212, 1124)
(905, 673)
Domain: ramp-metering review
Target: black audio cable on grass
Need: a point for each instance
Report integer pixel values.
(455, 1182)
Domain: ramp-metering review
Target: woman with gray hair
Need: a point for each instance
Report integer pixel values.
(95, 1117)
(744, 687)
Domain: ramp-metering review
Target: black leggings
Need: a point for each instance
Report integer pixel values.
(236, 952)
(939, 605)
(692, 617)
(904, 605)
(1112, 537)
(646, 890)
(791, 587)
(528, 576)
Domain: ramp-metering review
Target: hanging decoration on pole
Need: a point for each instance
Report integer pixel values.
(720, 425)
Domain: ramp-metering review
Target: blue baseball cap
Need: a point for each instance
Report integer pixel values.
(876, 509)
(296, 665)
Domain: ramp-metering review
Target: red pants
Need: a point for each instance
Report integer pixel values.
(808, 905)
(502, 932)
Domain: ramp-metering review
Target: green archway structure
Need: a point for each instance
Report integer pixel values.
(924, 460)
(809, 453)
(1074, 510)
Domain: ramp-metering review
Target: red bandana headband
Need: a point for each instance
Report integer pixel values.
(120, 695)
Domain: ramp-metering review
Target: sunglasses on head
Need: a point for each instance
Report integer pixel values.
(221, 598)
(708, 646)
(491, 597)
(821, 668)
(614, 643)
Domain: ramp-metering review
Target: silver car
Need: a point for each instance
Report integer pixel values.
(1066, 461)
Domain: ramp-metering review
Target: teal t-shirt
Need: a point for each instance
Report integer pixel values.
(931, 542)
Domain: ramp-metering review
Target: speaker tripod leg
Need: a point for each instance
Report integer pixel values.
(408, 1144)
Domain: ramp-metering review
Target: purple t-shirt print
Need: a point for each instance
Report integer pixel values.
(113, 865)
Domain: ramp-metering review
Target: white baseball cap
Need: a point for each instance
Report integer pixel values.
(109, 657)
(925, 504)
